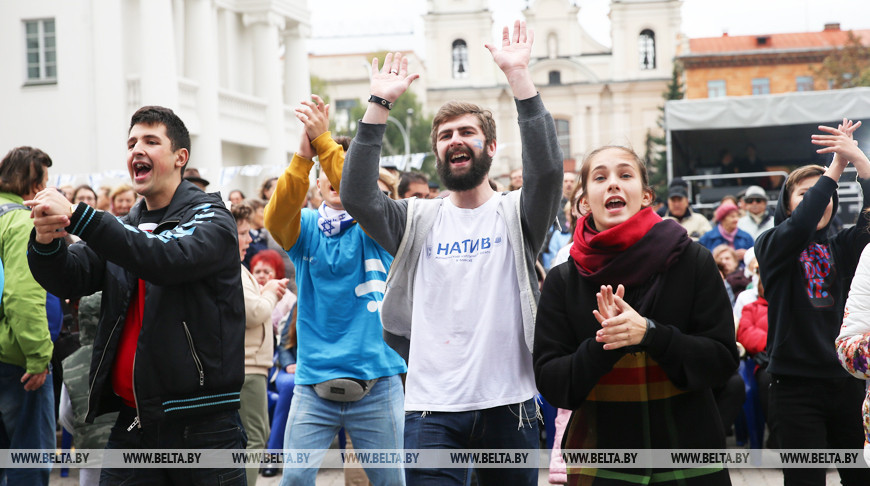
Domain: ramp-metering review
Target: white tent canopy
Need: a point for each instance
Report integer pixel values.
(768, 110)
(779, 126)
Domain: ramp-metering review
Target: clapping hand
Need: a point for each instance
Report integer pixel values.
(51, 213)
(621, 325)
(840, 142)
(278, 287)
(315, 116)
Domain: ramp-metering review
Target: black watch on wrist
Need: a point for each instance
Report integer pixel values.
(650, 331)
(377, 99)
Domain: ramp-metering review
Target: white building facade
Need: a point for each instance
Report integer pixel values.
(597, 94)
(77, 70)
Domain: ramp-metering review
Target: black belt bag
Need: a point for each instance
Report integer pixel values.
(344, 389)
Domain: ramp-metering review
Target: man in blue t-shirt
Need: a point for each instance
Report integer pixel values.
(346, 375)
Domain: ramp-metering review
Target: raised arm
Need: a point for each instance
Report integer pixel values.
(382, 218)
(513, 60)
(839, 141)
(542, 155)
(283, 214)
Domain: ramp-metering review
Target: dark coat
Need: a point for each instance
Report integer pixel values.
(190, 353)
(666, 401)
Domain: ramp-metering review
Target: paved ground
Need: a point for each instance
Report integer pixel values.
(335, 477)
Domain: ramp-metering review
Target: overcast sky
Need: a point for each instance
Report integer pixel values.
(392, 22)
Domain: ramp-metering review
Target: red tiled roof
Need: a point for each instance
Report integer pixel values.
(799, 40)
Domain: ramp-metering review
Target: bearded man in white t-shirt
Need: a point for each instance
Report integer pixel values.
(463, 277)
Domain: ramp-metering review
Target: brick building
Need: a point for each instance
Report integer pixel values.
(760, 64)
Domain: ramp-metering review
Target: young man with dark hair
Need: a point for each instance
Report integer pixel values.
(413, 184)
(463, 279)
(169, 347)
(26, 391)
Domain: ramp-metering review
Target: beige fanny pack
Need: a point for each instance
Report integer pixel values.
(344, 389)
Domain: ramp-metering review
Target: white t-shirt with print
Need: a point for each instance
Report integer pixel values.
(467, 346)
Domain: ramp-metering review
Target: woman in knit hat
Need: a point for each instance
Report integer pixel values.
(727, 232)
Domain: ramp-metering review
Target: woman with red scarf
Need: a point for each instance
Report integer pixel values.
(633, 331)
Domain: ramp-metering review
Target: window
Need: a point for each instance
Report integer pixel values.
(804, 83)
(555, 77)
(552, 46)
(342, 114)
(563, 133)
(646, 45)
(716, 88)
(760, 86)
(460, 59)
(39, 38)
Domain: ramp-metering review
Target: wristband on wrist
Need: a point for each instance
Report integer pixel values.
(381, 101)
(650, 330)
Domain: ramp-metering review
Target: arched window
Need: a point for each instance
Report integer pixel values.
(460, 59)
(646, 46)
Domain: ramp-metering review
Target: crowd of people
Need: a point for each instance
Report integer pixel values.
(373, 305)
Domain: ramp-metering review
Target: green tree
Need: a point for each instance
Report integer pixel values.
(409, 112)
(656, 156)
(847, 66)
(318, 87)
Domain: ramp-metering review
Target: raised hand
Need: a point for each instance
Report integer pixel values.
(305, 148)
(315, 116)
(839, 141)
(392, 79)
(621, 325)
(513, 59)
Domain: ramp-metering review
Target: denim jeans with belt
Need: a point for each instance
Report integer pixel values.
(512, 426)
(373, 422)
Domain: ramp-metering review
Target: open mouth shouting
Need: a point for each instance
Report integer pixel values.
(141, 169)
(459, 156)
(614, 204)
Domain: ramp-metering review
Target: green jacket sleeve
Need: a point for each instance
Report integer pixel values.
(24, 337)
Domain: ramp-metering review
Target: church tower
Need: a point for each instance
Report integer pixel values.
(456, 31)
(645, 36)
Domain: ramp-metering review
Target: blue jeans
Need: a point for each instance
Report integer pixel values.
(219, 430)
(26, 422)
(284, 383)
(374, 422)
(504, 427)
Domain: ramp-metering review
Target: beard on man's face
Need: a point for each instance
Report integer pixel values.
(471, 178)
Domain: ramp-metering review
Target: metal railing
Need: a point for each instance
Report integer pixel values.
(697, 204)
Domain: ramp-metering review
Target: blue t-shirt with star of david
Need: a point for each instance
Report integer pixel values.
(341, 281)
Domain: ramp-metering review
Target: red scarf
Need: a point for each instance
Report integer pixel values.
(635, 253)
(592, 250)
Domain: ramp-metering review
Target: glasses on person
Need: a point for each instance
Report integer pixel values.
(754, 200)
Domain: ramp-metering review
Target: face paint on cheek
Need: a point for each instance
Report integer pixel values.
(478, 143)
